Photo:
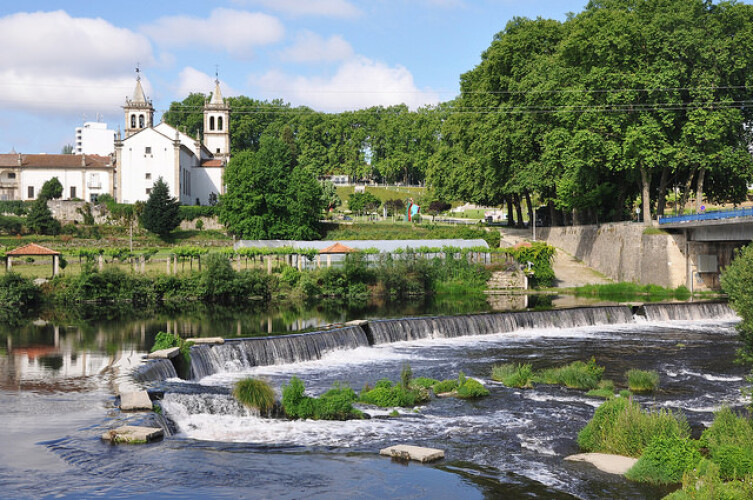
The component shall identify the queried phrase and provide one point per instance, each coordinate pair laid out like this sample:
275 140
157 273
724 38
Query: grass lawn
384 193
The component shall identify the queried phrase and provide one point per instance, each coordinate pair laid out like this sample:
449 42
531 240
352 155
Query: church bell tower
139 112
217 124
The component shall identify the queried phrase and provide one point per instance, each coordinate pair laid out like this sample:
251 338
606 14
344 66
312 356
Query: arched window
141 121
211 123
133 121
219 123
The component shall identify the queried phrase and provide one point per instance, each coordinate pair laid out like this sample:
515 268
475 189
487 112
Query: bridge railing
713 215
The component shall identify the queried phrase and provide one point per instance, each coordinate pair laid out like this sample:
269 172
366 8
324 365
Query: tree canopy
269 196
52 189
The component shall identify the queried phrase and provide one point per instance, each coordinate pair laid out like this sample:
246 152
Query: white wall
95 138
84 180
140 170
206 180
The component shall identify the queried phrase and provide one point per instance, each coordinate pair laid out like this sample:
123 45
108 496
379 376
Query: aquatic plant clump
386 394
471 389
255 394
621 427
335 404
514 375
705 482
666 459
445 386
604 390
641 381
576 375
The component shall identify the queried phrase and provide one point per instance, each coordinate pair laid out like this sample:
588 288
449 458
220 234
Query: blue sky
66 62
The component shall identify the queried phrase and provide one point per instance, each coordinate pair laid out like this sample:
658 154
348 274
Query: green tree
161 212
363 202
187 115
67 149
330 199
40 220
737 283
51 189
269 196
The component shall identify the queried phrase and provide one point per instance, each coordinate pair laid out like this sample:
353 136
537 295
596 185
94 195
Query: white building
94 138
83 177
192 169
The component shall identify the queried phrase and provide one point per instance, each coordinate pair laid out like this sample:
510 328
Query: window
219 123
148 176
148 190
11 175
93 197
218 150
133 121
141 121
211 123
148 150
30 192
73 192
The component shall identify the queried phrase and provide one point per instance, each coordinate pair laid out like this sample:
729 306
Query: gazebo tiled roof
32 249
337 248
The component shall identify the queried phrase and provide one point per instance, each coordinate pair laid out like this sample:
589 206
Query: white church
192 169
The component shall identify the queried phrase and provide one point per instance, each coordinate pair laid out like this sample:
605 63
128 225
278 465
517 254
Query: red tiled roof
211 163
52 161
32 249
337 248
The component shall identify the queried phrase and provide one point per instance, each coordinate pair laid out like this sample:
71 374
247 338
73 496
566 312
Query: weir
240 354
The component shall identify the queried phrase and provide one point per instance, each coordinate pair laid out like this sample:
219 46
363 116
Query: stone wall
67 211
209 223
623 252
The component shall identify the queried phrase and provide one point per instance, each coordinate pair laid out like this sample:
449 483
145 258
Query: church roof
217 94
138 94
212 163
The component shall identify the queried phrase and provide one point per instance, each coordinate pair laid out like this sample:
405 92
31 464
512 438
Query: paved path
570 272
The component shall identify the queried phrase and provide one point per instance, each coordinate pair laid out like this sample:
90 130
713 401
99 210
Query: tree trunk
510 217
699 189
686 191
553 219
518 209
619 207
645 196
663 181
531 215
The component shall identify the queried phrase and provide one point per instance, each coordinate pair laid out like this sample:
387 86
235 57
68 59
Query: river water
57 398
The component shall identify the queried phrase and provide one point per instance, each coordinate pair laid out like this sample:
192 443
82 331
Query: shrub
406 376
576 375
424 382
255 394
730 444
665 460
445 386
164 340
335 404
472 388
705 483
604 390
514 375
642 380
621 427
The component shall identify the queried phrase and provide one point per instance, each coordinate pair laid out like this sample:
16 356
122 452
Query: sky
66 62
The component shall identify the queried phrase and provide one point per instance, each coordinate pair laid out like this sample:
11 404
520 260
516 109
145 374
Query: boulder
417 453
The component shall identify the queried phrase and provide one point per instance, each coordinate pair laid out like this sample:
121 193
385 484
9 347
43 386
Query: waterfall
388 331
242 354
235 355
692 311
154 370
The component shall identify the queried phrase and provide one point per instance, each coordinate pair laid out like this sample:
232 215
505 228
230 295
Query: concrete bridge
691 250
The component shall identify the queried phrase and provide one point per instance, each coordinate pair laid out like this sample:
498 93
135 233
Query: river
57 398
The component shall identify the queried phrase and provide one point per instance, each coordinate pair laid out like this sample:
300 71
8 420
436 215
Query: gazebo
33 250
337 248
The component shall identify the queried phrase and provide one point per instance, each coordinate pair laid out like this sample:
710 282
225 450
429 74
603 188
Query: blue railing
722 214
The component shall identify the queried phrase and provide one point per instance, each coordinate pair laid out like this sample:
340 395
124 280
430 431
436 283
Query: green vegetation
17 294
576 375
445 386
640 381
270 196
469 388
363 202
161 212
625 291
540 255
386 394
514 375
193 212
665 460
335 404
737 283
164 340
729 441
621 427
255 394
705 483
605 390
406 231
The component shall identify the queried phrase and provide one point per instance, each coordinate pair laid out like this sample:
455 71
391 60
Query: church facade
191 168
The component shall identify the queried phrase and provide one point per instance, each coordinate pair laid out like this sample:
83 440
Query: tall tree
161 211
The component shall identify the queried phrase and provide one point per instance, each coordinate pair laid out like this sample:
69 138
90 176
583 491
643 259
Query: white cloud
52 62
192 80
358 83
310 47
324 8
234 31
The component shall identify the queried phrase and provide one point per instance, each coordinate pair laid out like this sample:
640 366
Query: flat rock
612 464
135 401
207 340
408 452
164 353
133 435
357 322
